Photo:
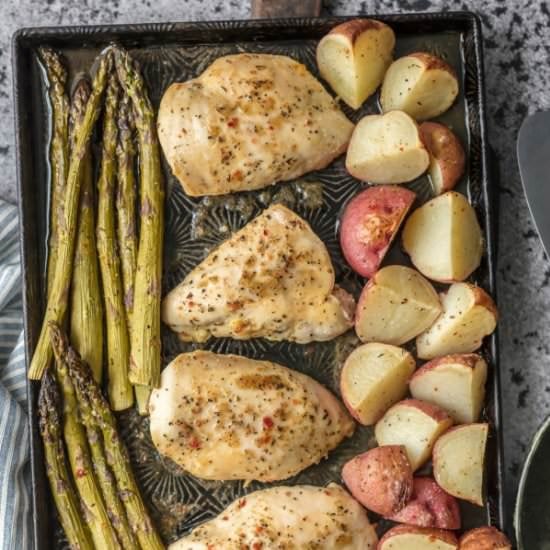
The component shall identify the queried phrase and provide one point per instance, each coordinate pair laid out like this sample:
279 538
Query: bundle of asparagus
127 512
88 467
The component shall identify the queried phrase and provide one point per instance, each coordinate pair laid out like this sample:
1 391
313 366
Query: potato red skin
437 534
430 506
370 223
380 479
484 538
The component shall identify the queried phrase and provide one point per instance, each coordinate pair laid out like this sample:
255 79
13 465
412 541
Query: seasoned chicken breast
249 121
272 279
287 518
229 417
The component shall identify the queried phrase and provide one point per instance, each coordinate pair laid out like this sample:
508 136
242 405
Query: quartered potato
353 58
396 305
387 149
443 238
421 84
409 537
459 459
447 158
469 314
484 538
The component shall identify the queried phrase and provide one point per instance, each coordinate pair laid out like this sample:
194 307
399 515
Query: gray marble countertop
517 49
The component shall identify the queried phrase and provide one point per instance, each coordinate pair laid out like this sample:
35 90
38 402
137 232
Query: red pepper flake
268 423
194 443
266 232
257 546
259 529
80 472
242 503
233 122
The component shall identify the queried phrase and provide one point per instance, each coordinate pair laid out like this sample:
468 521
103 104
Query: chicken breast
272 279
249 121
228 417
287 518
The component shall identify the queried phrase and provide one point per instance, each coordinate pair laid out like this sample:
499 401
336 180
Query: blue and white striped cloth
15 524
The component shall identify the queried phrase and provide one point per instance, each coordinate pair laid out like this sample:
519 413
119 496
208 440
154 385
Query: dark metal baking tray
177 51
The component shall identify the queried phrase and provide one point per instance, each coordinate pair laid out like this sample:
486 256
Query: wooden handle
285 8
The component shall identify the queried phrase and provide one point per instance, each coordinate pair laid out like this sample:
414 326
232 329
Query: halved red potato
414 424
374 377
396 305
421 84
380 479
387 149
484 538
369 225
458 461
447 158
353 58
443 238
409 537
430 506
469 314
456 383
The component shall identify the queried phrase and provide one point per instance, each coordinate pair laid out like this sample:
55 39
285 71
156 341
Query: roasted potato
408 537
380 479
415 425
421 84
484 538
456 383
374 377
387 149
369 224
396 305
353 58
458 461
430 506
443 238
469 314
447 157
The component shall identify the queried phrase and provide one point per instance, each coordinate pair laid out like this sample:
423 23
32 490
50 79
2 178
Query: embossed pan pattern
179 51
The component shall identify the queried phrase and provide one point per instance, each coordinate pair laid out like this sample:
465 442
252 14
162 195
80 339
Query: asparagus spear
86 302
126 228
121 394
59 149
86 483
64 494
92 401
59 292
145 335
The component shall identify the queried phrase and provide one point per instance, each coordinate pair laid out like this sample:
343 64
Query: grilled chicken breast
225 417
249 121
272 279
287 518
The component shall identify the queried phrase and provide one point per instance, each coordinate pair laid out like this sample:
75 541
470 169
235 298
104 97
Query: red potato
447 158
456 383
374 377
408 537
380 479
459 461
484 538
369 224
430 506
414 424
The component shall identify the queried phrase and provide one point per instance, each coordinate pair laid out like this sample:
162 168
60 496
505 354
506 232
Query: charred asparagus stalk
97 409
59 291
59 150
121 394
102 531
86 301
64 494
145 335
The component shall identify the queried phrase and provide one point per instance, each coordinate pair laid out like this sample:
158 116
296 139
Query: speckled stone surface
517 50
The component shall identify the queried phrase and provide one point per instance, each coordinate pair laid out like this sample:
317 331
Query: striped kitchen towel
15 517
